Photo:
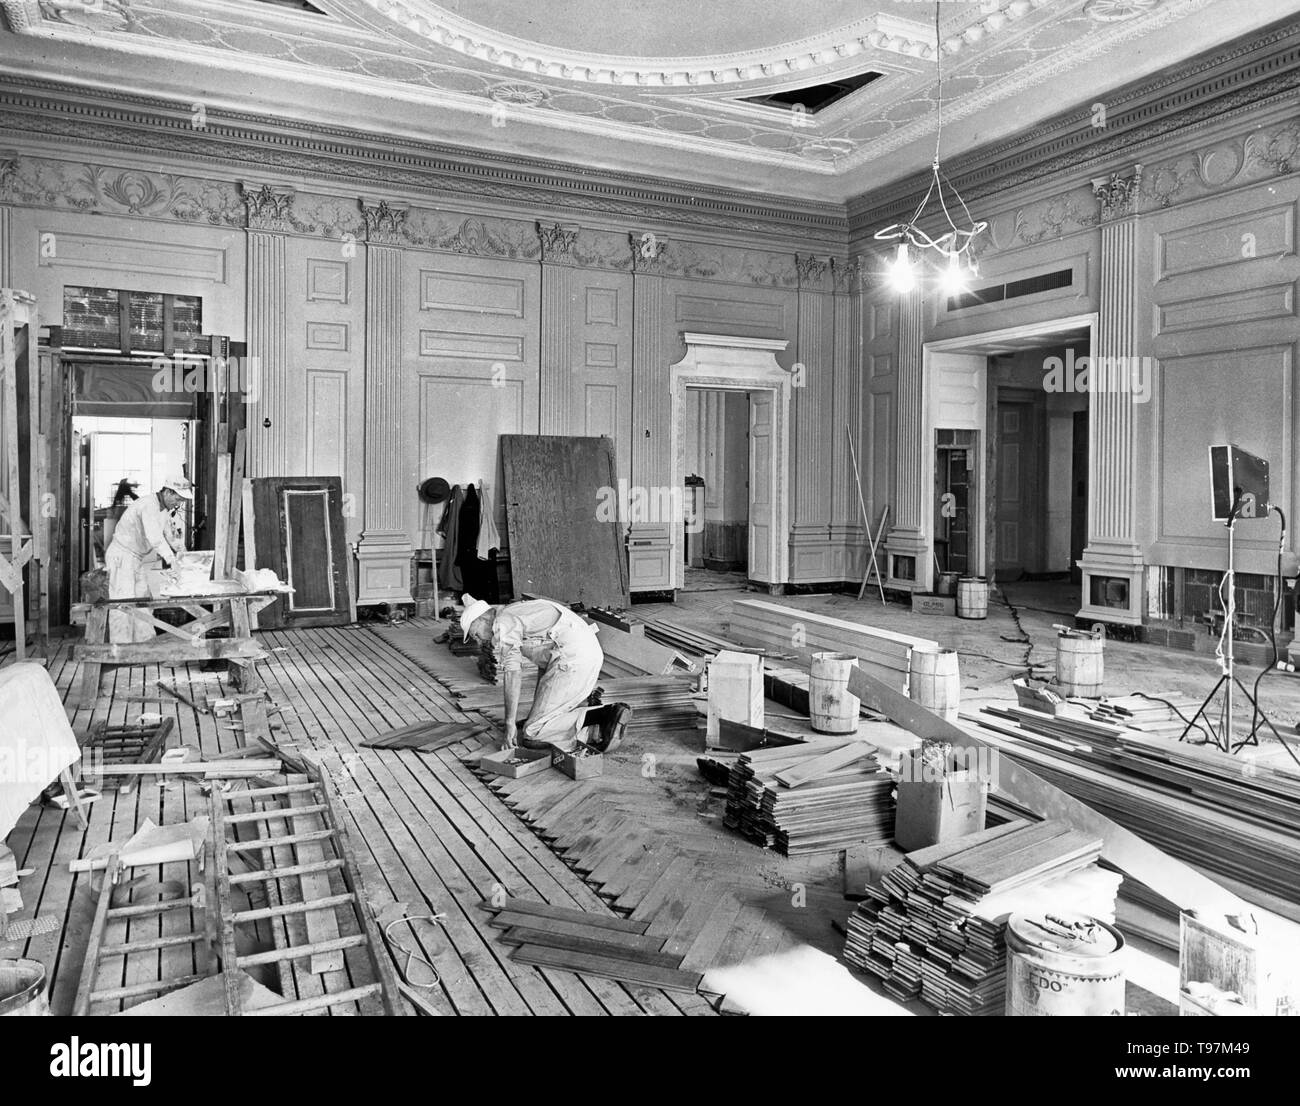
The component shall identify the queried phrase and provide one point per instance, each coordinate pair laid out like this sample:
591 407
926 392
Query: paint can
972 597
935 683
22 989
1063 965
831 709
1079 665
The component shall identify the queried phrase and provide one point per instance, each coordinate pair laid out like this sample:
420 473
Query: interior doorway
1007 419
119 459
715 443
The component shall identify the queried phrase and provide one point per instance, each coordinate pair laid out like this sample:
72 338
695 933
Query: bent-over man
140 540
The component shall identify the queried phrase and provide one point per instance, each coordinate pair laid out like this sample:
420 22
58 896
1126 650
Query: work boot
611 720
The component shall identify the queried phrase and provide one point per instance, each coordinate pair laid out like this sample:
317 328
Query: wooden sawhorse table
177 644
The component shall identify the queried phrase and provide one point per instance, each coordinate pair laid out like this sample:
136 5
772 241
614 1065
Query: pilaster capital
849 276
558 240
268 206
385 221
813 272
1118 194
649 251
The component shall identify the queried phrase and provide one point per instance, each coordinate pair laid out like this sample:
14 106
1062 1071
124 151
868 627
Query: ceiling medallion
1117 11
519 95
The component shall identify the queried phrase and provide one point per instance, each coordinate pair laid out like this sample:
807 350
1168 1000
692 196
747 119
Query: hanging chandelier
952 243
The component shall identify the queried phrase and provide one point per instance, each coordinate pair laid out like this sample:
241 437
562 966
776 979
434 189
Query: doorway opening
1007 419
753 392
119 459
715 448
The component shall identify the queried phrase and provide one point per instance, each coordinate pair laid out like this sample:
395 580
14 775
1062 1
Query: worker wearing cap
140 540
568 658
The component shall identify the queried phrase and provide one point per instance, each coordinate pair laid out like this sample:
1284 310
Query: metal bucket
1063 965
831 708
22 989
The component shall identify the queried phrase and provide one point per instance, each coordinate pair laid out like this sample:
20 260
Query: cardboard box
931 810
579 765
934 604
516 763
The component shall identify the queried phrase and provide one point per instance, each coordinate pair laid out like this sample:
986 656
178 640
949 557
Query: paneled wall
396 339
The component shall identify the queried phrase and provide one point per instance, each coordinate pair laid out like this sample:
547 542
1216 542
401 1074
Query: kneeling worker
139 537
568 658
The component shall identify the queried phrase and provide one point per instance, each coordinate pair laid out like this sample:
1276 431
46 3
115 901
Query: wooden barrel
934 682
22 989
831 708
972 597
1079 665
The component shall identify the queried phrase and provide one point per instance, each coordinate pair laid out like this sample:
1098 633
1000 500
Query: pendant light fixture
952 244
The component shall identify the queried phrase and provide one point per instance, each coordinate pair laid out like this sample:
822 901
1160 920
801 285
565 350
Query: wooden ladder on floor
300 847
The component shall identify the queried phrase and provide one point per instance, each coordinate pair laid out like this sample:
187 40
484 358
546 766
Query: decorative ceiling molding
1256 72
94 120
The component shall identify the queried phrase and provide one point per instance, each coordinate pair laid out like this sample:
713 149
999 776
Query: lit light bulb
900 273
952 282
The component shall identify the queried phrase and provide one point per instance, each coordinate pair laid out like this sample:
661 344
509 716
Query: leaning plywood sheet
562 517
1180 884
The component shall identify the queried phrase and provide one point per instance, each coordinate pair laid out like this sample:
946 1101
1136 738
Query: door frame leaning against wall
978 343
737 364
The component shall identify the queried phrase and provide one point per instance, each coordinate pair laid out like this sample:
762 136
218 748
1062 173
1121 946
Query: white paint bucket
1063 965
831 709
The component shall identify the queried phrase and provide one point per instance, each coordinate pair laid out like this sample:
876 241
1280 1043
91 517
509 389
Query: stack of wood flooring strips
688 639
1236 817
1159 719
589 944
934 927
657 702
882 653
815 797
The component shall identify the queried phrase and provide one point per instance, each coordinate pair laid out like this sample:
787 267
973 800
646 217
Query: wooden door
1021 530
762 504
1079 495
298 532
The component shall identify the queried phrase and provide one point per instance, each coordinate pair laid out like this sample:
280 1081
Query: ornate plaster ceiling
655 88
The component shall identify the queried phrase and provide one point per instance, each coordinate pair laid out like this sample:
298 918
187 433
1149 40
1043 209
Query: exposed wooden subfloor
426 831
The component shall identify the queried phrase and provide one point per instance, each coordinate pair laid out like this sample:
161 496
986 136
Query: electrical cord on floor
1165 702
413 958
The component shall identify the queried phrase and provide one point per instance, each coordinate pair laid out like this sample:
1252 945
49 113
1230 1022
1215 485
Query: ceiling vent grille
1012 290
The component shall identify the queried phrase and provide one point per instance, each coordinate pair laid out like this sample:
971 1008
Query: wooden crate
1264 969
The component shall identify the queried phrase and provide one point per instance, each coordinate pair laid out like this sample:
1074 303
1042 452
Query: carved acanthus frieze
557 241
106 190
1118 194
649 251
385 221
270 207
503 238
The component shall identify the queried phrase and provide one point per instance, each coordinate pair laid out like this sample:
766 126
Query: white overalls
566 652
139 541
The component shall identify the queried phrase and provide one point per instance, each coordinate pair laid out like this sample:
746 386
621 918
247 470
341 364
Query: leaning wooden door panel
563 514
298 531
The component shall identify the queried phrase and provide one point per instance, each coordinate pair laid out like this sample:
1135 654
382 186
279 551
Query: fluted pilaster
267 439
384 552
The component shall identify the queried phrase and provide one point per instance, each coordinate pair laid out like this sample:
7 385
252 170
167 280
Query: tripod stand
1221 736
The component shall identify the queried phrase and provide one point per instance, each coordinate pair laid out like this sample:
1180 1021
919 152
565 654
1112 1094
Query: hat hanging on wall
434 490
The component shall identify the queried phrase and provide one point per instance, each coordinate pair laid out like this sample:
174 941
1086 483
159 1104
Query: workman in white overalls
568 658
141 541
